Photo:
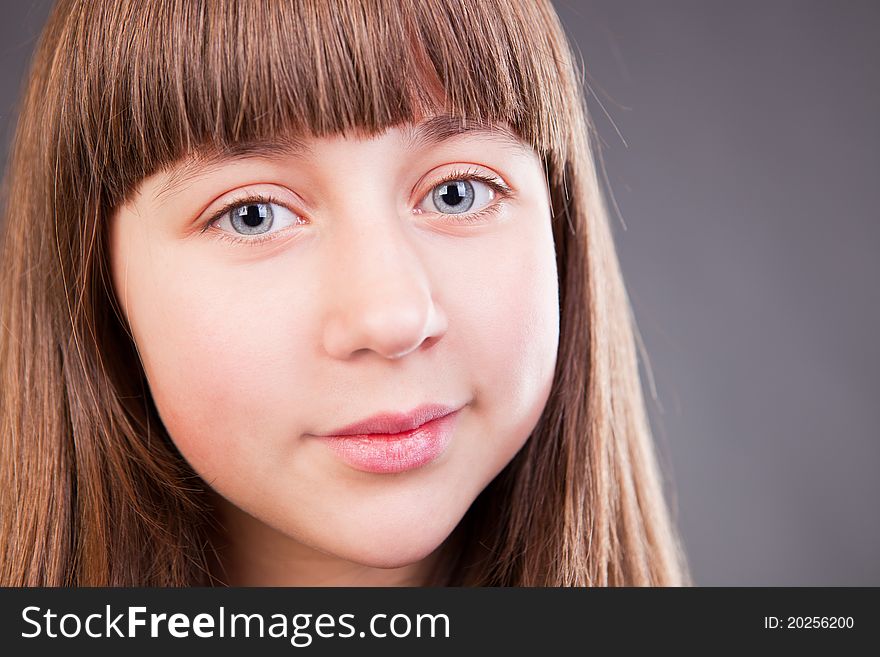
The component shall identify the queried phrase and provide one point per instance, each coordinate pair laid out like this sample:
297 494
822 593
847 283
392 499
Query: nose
380 297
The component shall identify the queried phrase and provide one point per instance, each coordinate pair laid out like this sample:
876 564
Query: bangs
182 77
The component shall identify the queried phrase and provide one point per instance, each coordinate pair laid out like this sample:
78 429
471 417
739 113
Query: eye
252 219
455 197
463 193
248 219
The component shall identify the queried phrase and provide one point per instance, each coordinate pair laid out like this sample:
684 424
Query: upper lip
391 423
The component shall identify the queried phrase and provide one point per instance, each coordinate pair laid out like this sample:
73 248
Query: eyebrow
444 127
431 132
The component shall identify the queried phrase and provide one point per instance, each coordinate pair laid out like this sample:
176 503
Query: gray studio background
742 147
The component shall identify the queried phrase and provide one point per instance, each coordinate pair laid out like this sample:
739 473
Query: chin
382 548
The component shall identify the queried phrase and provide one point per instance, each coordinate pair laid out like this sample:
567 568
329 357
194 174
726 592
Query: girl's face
343 279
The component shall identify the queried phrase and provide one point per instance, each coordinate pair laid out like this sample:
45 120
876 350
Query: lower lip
388 453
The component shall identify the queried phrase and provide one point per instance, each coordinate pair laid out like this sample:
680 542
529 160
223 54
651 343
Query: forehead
430 132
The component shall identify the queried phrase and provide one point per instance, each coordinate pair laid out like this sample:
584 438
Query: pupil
453 193
252 217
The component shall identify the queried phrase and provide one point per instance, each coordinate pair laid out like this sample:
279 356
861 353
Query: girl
316 293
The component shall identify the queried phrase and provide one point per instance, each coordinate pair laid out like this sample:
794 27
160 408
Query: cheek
505 329
521 339
225 362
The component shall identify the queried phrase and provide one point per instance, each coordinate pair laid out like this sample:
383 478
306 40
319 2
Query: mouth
394 423
391 443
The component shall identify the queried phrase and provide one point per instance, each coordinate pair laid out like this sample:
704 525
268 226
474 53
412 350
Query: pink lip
391 423
392 443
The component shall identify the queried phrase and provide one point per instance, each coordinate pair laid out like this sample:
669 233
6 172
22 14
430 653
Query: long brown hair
92 489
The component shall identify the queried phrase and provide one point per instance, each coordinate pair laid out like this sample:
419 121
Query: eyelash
237 203
501 192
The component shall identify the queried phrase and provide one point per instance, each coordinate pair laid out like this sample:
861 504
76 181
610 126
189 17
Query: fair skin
367 297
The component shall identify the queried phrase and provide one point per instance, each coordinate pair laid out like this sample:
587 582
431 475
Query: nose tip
392 330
